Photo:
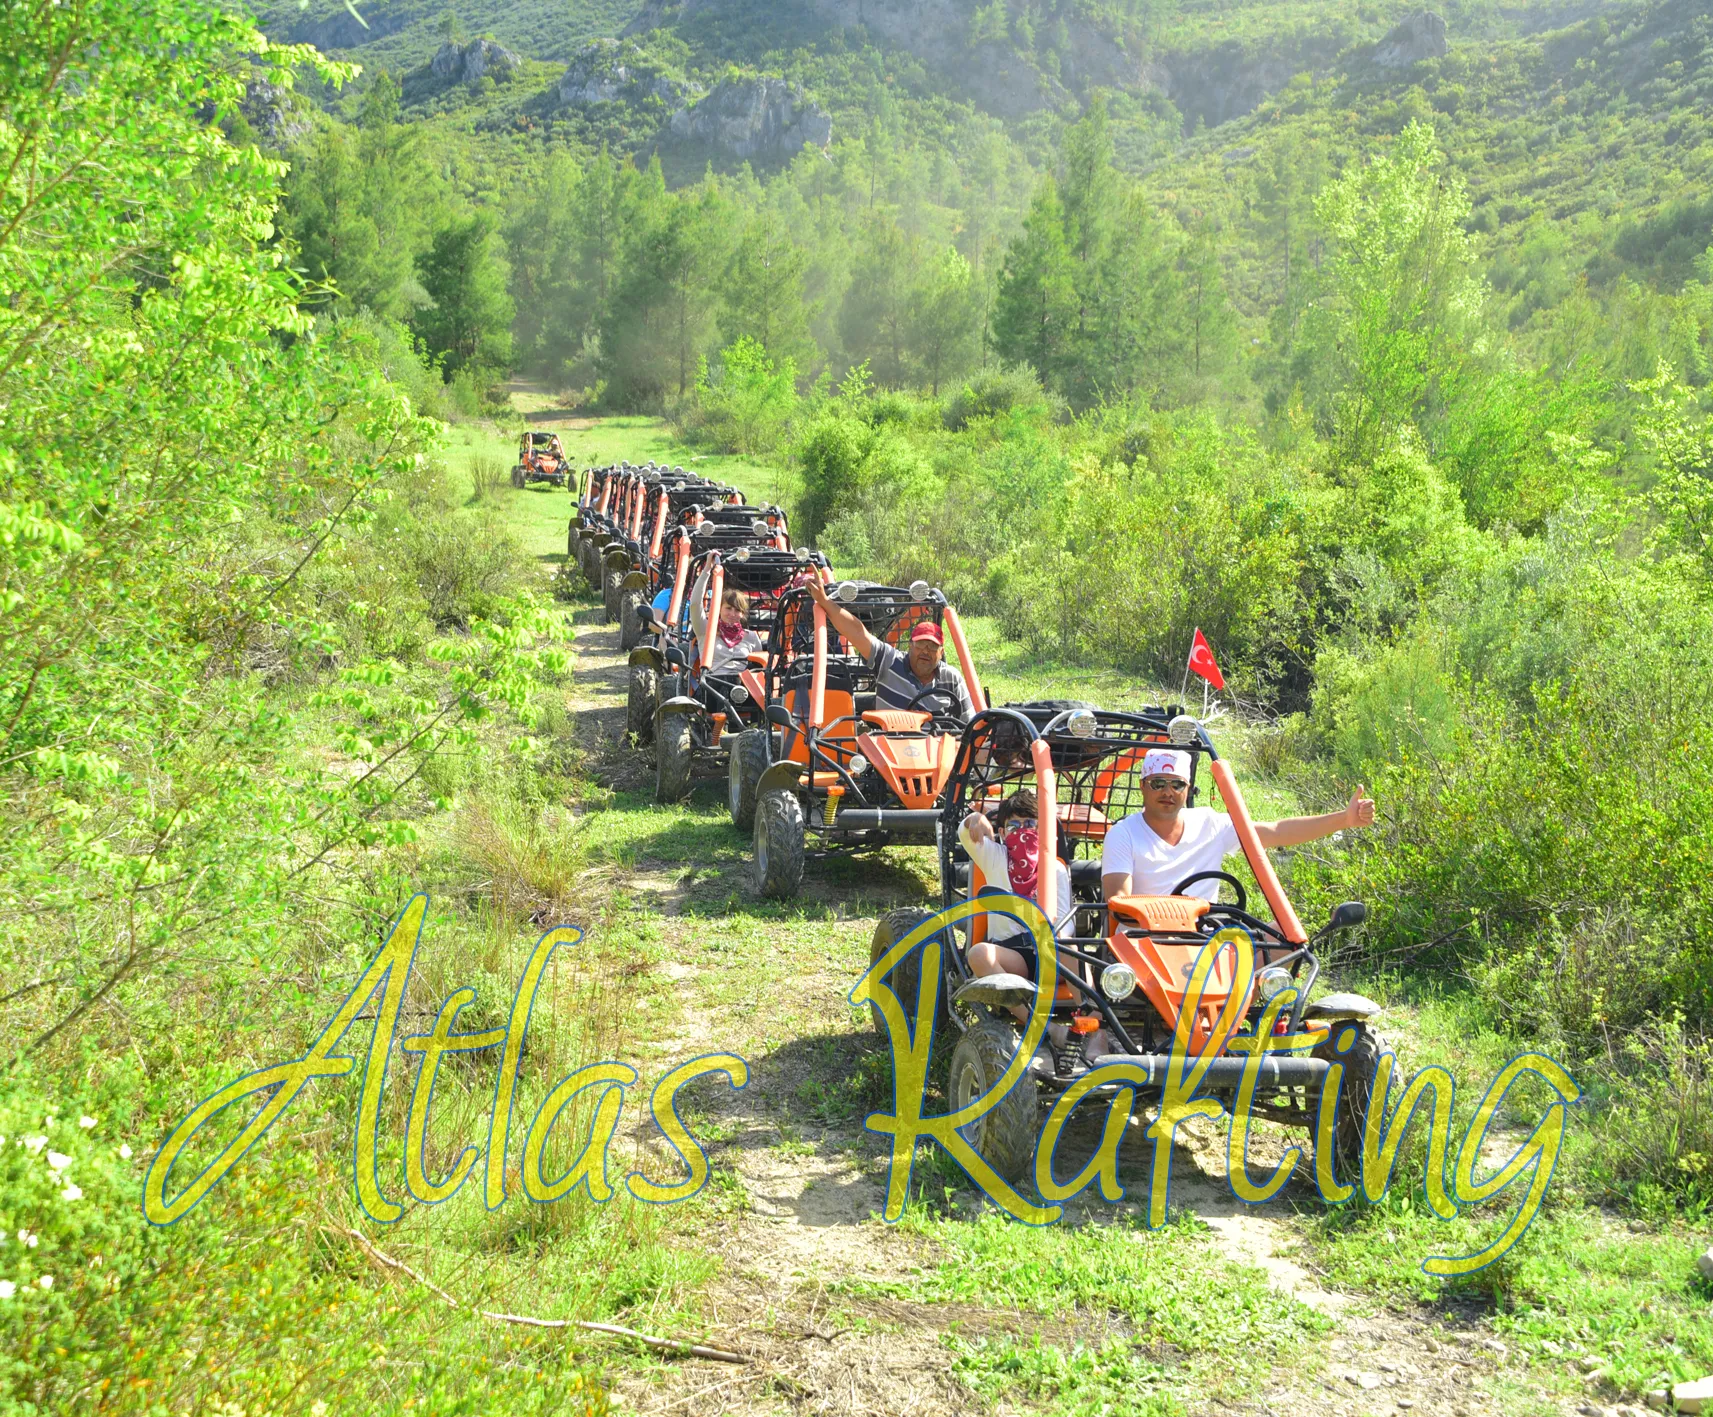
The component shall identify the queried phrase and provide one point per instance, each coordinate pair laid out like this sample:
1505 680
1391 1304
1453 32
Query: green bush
999 391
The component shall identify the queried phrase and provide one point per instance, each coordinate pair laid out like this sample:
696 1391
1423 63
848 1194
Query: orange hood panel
915 765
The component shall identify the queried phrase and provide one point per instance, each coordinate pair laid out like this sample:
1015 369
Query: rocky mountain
755 120
615 71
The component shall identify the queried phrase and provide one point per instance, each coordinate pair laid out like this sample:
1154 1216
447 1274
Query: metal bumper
915 825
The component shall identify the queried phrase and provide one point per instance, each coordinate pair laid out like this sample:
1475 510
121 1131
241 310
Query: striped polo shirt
896 684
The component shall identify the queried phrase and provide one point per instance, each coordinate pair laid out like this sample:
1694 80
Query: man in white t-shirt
1153 851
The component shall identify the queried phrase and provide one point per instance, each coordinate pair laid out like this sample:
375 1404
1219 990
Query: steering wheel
946 696
1226 876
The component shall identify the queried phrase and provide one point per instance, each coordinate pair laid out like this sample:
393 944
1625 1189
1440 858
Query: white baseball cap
1166 762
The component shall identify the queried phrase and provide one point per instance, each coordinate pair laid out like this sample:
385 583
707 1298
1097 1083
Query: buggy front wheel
630 619
1356 1094
611 583
644 698
673 757
778 844
905 977
744 767
1005 1135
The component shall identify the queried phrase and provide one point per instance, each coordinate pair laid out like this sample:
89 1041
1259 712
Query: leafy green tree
1036 307
1399 294
464 273
751 400
943 320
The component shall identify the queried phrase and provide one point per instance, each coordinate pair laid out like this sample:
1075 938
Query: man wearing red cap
899 678
1159 848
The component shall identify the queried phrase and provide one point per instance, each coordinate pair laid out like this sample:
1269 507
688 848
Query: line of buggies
815 766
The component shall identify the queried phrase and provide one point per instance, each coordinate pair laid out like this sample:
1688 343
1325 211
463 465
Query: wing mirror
675 658
778 716
1347 917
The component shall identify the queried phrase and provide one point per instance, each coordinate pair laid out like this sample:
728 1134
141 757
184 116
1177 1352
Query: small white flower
7 1289
72 1192
124 1151
46 1281
318 1408
27 1239
51 1122
86 1122
34 1144
58 1161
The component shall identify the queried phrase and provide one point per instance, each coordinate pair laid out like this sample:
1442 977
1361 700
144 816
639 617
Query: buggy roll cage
800 631
1086 771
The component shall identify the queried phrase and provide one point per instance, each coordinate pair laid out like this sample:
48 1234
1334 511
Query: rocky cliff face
611 71
1419 37
765 120
468 64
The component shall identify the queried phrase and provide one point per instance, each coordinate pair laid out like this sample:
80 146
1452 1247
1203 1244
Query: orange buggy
831 764
540 458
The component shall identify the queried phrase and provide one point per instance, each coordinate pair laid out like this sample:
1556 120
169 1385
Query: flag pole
1184 688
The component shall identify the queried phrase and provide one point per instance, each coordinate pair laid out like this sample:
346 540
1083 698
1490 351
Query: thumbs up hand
1360 812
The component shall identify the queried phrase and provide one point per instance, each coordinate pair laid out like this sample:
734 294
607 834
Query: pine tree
1036 306
762 289
464 273
872 318
942 320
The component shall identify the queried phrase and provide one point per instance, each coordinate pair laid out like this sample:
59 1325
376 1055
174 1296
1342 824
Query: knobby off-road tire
1006 1135
1356 1095
778 844
517 478
744 767
643 700
611 584
674 755
630 619
905 977
586 559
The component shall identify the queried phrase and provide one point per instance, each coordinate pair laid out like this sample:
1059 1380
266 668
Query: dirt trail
811 1189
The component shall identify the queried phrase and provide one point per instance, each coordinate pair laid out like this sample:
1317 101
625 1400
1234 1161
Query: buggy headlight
802 553
1271 980
1118 981
846 591
759 527
858 763
919 590
1081 724
739 695
741 554
1183 729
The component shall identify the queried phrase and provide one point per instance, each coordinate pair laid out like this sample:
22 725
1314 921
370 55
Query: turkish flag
1203 662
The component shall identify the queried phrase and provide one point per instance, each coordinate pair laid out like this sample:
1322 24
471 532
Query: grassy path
954 1309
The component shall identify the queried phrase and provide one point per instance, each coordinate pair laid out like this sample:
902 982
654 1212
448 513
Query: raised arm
698 613
1294 831
843 621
